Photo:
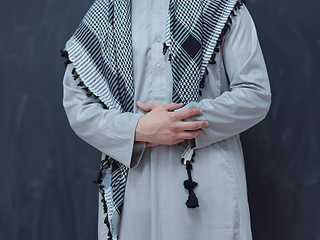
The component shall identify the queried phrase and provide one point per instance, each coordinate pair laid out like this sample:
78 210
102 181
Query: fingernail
207 123
201 111
138 103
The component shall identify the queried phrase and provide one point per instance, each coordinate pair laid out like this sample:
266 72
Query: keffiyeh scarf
101 51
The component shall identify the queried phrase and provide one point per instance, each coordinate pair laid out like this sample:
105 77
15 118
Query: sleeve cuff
137 153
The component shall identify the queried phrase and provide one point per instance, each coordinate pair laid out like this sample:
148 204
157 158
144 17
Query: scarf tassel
81 83
190 185
201 85
65 54
224 31
165 49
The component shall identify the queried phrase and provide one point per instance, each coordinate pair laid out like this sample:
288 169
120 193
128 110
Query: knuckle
190 136
195 134
156 104
171 117
193 112
194 126
174 128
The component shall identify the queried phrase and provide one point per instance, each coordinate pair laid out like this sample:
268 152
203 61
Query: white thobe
236 96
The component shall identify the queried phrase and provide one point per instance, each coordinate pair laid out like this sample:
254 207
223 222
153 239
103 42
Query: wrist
139 135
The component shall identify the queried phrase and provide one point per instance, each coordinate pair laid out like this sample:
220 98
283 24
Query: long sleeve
109 131
248 98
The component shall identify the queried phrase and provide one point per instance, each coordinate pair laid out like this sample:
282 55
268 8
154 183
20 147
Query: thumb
147 107
173 106
151 144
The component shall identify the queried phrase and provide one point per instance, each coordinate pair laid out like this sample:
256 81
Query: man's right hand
162 125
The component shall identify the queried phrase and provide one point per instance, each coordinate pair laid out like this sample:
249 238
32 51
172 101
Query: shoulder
243 18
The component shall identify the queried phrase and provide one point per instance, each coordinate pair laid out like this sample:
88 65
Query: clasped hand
162 125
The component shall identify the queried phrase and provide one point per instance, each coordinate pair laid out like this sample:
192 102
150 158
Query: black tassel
237 6
201 85
189 184
85 88
76 76
192 201
64 54
103 105
224 31
66 63
212 59
165 48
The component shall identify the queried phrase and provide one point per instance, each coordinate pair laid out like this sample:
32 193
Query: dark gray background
46 172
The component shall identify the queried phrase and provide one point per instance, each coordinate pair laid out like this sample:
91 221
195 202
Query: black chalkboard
46 171
283 165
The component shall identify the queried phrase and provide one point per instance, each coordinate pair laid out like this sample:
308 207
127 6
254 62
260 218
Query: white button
158 65
158 39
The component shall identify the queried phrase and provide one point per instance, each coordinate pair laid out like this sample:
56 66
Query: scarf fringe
81 83
104 163
223 33
189 184
225 30
66 55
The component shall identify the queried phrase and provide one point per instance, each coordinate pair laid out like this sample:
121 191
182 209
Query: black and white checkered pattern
101 50
114 198
185 33
193 29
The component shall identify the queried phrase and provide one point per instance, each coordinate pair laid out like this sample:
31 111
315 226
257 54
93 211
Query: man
161 87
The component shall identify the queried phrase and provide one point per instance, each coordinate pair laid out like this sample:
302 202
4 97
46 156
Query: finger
191 126
147 107
151 144
186 135
187 113
173 106
191 135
